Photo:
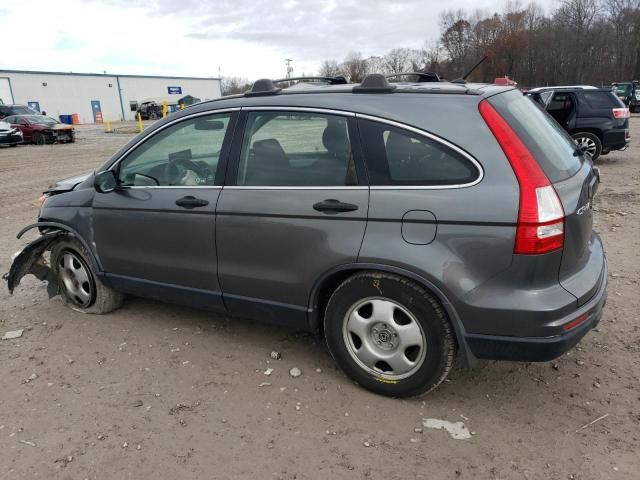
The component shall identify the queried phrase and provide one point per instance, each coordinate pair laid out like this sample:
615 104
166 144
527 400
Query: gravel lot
167 392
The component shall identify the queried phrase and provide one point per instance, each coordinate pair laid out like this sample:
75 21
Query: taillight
621 113
540 226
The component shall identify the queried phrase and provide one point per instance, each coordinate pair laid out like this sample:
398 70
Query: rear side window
397 156
602 100
296 149
548 142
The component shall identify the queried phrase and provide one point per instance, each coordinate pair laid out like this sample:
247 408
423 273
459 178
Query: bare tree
330 68
354 67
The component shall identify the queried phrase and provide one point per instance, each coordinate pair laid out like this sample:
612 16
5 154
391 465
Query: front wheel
389 334
589 143
80 287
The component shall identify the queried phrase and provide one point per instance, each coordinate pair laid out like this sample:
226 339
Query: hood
67 184
4 125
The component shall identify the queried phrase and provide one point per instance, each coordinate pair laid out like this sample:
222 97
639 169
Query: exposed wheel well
595 131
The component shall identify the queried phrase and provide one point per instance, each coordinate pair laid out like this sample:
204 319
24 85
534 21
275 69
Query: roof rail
264 86
374 83
422 76
337 80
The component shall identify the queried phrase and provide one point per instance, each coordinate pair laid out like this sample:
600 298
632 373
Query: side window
296 149
133 106
184 154
600 100
398 157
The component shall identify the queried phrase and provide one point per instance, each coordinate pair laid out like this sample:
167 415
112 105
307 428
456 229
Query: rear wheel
78 283
589 143
389 334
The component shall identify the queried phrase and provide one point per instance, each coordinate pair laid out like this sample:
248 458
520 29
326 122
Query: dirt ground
166 392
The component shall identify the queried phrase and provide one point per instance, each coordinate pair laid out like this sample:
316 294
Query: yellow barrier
164 109
140 128
108 130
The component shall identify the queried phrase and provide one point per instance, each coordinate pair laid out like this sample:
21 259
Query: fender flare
95 261
468 357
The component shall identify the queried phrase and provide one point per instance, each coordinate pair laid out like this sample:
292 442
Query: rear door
294 206
576 182
155 234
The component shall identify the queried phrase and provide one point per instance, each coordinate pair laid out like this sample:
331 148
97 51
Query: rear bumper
615 140
541 349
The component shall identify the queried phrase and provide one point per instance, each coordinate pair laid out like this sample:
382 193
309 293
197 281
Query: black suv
595 117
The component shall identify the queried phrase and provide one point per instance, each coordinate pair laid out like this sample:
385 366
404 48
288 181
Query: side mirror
105 182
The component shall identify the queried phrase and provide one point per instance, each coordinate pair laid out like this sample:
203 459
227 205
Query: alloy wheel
77 280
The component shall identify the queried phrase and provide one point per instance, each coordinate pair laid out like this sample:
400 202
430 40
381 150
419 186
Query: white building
95 96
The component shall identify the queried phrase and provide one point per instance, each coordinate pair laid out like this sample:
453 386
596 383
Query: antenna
288 61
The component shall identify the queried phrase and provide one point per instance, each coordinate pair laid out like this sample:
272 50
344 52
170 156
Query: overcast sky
248 38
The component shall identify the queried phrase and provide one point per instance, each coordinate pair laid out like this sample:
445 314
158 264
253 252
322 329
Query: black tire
591 140
13 145
40 138
102 299
153 116
437 334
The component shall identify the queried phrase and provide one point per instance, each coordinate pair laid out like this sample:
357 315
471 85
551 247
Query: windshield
40 120
549 143
23 111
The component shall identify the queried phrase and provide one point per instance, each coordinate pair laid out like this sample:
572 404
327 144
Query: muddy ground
156 391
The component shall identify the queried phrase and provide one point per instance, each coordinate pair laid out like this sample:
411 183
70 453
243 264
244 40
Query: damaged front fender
30 261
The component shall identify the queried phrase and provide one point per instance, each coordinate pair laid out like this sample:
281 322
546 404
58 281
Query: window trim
228 133
435 138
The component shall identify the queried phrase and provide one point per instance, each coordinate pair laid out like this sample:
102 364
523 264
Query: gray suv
410 223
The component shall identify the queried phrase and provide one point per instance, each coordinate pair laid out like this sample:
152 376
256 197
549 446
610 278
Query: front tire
79 286
588 142
389 334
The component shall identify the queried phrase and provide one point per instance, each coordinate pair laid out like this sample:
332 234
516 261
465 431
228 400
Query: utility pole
288 61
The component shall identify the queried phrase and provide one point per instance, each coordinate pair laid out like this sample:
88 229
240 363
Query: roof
168 77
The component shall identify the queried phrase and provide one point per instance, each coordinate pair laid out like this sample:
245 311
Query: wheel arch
330 280
596 131
46 226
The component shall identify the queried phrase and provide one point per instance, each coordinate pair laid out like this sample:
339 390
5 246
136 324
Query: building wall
66 94
140 88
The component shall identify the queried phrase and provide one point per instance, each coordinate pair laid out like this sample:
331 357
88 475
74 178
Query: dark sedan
41 130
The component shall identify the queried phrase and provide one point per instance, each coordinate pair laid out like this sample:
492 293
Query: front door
155 234
96 109
294 206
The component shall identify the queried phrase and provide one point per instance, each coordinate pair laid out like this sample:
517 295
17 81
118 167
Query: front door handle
332 205
191 202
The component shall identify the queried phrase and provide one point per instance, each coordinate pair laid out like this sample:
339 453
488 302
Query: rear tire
79 286
590 142
389 334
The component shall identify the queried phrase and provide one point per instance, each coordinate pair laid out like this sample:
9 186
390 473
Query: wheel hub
384 336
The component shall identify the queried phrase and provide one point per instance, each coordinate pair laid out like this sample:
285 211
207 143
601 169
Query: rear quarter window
602 100
397 156
548 142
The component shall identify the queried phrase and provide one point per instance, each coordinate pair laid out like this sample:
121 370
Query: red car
41 130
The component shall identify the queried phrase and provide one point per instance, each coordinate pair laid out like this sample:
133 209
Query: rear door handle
332 205
191 202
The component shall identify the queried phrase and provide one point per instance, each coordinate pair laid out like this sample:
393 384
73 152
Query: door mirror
105 182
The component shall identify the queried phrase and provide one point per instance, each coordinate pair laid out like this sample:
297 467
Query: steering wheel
175 168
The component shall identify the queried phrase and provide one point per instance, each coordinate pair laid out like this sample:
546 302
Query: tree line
579 42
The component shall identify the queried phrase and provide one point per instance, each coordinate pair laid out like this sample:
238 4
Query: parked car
595 117
9 135
41 130
8 110
151 108
629 93
409 223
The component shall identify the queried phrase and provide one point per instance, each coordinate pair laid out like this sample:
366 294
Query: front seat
268 164
337 169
